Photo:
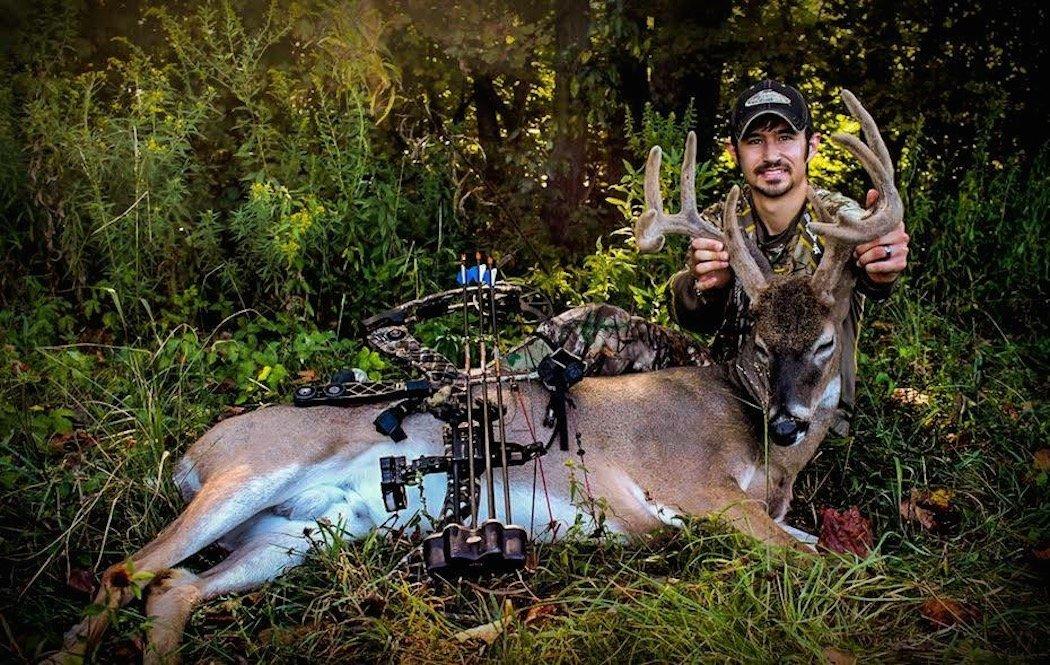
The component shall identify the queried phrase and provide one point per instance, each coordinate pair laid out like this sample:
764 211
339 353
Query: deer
660 445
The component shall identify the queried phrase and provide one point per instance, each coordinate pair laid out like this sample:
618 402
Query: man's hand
885 258
708 262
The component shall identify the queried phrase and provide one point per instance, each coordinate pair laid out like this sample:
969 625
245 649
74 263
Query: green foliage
200 210
205 168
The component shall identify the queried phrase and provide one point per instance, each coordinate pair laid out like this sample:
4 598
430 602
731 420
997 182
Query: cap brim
793 122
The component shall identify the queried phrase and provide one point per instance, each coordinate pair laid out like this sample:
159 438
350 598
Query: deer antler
654 224
848 228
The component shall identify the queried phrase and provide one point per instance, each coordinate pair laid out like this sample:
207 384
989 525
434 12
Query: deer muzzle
787 431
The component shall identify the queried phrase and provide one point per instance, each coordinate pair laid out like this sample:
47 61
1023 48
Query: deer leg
221 505
172 601
749 516
270 545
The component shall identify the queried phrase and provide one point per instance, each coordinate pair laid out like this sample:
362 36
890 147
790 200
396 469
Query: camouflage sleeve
834 202
699 312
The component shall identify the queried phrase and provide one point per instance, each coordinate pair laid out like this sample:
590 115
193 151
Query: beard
775 187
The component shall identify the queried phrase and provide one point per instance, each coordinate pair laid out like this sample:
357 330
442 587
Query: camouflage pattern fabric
609 341
407 351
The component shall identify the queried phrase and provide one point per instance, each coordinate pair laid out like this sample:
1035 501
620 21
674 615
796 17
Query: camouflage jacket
797 249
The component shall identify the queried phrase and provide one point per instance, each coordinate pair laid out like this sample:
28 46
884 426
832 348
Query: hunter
772 140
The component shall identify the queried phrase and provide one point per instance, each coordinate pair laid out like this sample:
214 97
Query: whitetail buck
658 444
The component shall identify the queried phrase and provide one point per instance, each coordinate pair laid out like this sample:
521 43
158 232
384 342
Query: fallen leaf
308 375
931 509
837 657
1041 460
945 612
846 531
910 397
81 580
541 614
75 440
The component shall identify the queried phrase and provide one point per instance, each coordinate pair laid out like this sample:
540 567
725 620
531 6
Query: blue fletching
472 276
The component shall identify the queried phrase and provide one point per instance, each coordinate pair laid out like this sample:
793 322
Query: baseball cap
769 96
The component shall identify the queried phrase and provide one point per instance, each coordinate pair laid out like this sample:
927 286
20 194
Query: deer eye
824 348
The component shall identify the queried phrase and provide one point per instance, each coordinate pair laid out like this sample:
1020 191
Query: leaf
943 612
846 531
931 509
540 614
910 397
264 372
308 375
81 580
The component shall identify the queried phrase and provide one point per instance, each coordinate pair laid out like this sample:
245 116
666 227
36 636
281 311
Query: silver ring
889 250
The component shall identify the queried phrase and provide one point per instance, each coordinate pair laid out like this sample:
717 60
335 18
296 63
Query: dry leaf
1041 461
308 375
846 531
910 397
932 509
838 657
541 614
81 580
946 612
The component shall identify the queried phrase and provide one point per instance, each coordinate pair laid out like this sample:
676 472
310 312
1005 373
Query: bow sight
475 441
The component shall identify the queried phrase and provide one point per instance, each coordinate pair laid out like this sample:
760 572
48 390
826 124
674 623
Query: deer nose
785 431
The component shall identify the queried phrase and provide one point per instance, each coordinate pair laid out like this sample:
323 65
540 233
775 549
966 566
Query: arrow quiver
475 443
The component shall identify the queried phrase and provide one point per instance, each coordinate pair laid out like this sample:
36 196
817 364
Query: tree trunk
567 168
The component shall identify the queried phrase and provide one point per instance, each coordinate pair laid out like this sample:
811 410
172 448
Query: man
772 141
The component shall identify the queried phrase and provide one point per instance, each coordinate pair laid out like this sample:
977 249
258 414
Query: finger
708 255
896 264
709 266
877 253
871 199
712 280
706 243
895 237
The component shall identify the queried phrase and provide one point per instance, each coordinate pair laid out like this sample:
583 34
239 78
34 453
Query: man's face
773 156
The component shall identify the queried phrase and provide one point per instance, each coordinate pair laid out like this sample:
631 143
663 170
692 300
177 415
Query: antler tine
853 226
751 274
689 175
870 129
836 253
654 224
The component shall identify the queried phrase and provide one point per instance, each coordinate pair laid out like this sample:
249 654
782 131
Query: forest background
202 200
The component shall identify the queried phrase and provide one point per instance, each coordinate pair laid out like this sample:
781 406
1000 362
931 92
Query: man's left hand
884 258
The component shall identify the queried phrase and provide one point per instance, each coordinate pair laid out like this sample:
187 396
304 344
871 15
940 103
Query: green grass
698 594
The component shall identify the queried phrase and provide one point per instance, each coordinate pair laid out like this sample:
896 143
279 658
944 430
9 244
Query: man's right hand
708 262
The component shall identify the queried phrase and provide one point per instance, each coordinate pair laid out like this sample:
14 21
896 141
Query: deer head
789 360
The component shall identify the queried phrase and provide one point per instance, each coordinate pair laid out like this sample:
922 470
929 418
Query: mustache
765 166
